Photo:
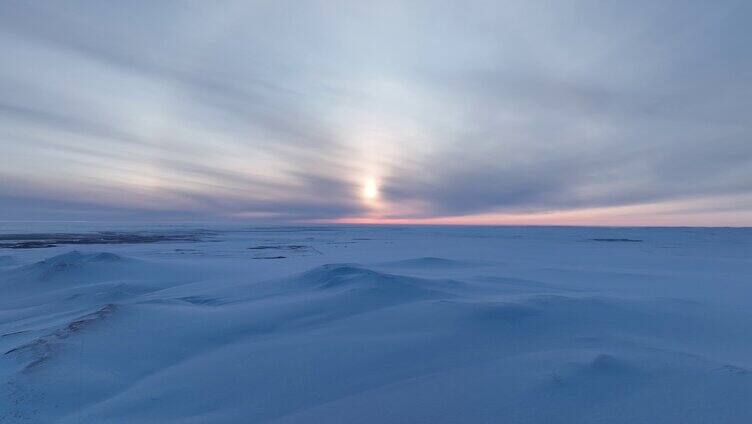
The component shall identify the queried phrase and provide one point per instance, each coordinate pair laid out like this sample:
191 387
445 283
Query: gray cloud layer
280 110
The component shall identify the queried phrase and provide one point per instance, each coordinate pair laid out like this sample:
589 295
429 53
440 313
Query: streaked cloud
455 111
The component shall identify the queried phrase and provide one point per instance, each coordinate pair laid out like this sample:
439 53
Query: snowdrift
124 337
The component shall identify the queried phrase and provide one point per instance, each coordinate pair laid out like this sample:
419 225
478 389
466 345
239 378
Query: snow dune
384 332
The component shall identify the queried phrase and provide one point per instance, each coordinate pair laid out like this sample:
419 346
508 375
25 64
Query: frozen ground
379 325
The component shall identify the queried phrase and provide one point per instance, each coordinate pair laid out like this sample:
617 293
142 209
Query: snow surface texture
383 325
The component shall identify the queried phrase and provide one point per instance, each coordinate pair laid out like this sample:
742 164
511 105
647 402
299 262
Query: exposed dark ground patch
45 240
281 247
625 240
289 249
41 349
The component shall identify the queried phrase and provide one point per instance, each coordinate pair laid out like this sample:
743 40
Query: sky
465 112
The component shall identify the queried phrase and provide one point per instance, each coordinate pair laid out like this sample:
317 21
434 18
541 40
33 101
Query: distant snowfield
382 325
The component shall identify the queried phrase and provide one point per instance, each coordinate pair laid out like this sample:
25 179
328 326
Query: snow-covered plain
382 325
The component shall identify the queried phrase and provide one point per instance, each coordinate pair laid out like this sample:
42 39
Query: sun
370 189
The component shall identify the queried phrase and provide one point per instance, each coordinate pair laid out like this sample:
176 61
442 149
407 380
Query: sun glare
370 189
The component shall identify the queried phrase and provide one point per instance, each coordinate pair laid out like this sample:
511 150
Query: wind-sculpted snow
432 263
354 277
38 350
68 265
7 260
371 334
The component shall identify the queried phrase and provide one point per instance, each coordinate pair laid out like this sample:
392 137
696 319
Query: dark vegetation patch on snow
45 240
41 349
267 251
617 240
203 300
281 247
734 369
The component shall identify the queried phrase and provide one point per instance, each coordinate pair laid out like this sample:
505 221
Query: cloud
263 110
